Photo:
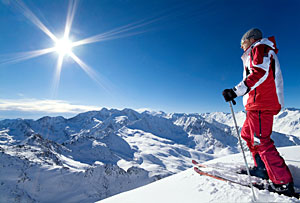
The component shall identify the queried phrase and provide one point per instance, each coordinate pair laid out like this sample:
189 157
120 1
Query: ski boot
258 171
285 189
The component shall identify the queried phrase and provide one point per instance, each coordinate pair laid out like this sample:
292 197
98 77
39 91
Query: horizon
140 111
170 56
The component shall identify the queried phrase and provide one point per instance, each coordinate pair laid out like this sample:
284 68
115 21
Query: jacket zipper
254 95
259 117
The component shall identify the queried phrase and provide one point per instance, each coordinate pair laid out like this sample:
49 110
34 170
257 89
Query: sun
63 47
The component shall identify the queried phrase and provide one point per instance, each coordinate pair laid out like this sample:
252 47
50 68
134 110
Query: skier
262 91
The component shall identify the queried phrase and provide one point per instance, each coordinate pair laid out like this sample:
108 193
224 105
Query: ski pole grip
233 102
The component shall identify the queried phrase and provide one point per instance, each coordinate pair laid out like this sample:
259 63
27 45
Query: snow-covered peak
288 122
54 120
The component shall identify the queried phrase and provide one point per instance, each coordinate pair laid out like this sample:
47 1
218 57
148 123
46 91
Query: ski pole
240 141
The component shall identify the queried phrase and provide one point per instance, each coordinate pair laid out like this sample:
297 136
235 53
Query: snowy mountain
98 154
286 121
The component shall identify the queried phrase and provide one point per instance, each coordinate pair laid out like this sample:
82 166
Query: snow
156 154
188 186
286 121
97 154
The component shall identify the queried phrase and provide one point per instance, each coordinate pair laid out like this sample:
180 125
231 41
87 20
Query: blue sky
178 56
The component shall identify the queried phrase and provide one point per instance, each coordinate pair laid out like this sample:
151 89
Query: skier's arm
259 68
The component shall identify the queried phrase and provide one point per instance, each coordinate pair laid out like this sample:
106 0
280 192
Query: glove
229 95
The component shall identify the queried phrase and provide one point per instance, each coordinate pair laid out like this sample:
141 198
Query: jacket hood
270 41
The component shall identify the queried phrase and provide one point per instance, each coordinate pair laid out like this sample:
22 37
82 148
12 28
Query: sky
162 55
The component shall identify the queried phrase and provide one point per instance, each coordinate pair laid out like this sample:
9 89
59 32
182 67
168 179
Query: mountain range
97 154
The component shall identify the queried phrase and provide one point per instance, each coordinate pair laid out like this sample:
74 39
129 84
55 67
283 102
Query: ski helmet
254 33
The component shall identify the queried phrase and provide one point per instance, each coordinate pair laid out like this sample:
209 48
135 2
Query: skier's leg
247 136
248 133
258 162
262 128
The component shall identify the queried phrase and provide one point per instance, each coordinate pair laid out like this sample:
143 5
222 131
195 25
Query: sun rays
64 46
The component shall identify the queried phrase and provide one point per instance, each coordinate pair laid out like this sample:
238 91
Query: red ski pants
257 131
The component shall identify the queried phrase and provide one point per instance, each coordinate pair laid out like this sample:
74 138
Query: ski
260 186
199 171
205 166
200 165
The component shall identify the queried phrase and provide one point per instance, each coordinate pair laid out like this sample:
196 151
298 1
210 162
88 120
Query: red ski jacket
262 84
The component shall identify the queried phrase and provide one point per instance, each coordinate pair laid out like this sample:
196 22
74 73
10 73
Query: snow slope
190 187
36 173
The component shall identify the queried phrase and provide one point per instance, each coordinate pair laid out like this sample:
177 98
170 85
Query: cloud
20 94
45 106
